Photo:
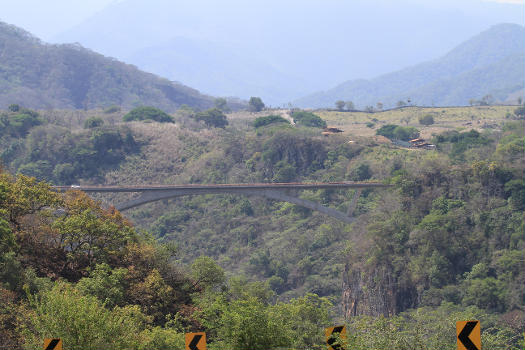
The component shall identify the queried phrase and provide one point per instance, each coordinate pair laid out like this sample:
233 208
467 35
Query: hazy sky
48 18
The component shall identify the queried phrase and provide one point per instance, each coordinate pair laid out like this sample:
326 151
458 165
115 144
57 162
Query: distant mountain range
282 50
39 75
218 70
492 62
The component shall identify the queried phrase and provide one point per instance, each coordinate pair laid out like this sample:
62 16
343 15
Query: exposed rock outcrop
376 292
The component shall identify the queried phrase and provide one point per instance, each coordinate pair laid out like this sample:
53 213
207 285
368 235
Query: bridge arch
277 191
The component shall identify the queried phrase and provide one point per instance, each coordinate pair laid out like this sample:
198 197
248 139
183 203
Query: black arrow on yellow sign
469 335
194 342
52 344
332 336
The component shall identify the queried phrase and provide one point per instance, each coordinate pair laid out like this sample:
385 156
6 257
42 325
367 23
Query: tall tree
340 104
222 104
256 104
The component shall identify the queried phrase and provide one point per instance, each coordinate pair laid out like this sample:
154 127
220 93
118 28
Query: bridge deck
259 186
276 191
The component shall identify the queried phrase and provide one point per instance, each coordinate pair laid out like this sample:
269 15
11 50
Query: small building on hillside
331 130
421 143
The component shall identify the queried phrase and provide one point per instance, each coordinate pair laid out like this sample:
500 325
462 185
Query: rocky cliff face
375 292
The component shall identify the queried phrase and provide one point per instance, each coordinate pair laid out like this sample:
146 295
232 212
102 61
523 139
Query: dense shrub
57 155
461 141
361 172
387 130
148 113
515 190
286 154
18 122
93 122
284 172
222 104
13 107
308 119
426 120
269 119
520 111
212 117
41 169
256 104
405 133
396 132
112 109
81 321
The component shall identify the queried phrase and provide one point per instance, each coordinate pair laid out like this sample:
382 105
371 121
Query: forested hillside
490 63
40 75
444 243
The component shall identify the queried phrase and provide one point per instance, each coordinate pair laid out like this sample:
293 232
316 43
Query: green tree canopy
361 172
93 122
248 324
82 322
256 104
107 284
212 117
396 132
427 119
206 273
59 155
308 119
13 107
269 119
147 113
19 121
520 111
340 105
222 104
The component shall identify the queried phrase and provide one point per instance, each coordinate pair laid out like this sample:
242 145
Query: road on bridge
197 187
276 191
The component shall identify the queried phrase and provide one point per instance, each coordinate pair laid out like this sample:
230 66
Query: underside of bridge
275 191
280 195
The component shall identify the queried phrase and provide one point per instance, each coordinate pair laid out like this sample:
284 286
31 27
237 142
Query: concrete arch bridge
276 191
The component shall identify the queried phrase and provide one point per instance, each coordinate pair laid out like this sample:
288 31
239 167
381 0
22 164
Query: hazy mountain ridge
499 49
218 70
40 75
300 46
503 78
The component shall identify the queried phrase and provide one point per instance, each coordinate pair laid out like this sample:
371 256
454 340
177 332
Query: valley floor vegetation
445 243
